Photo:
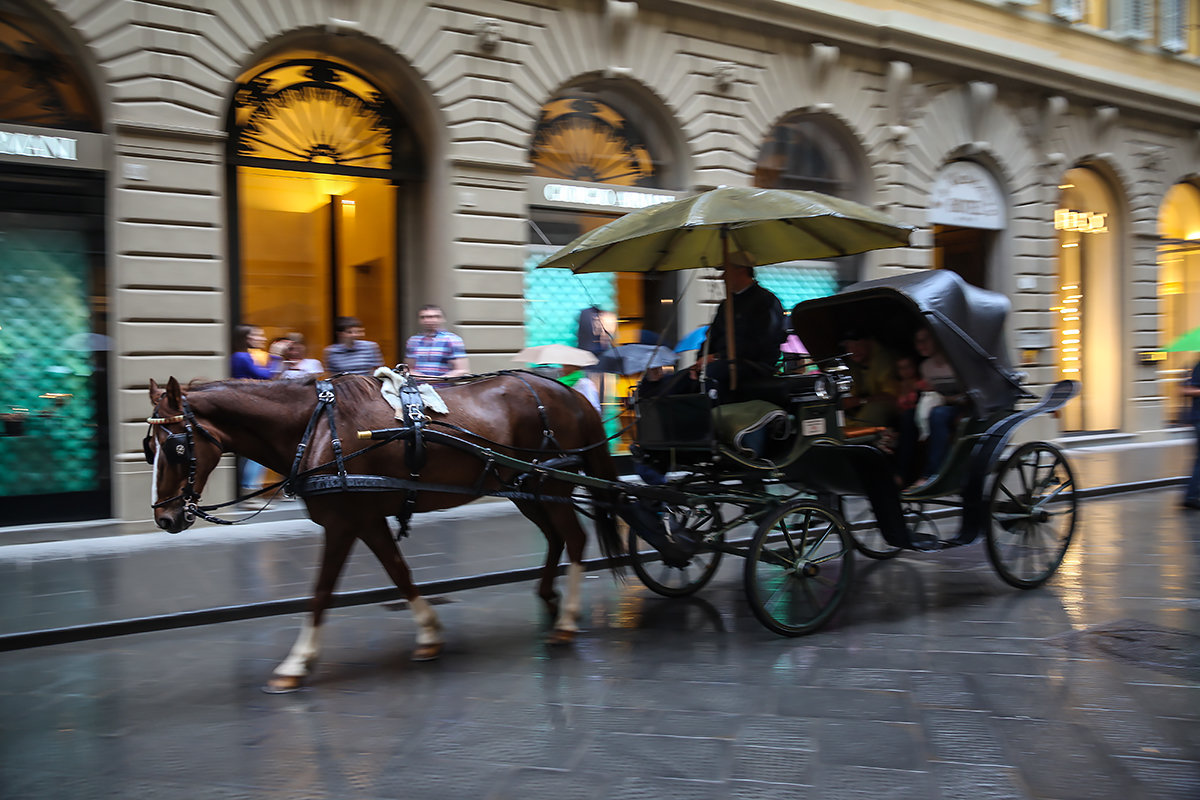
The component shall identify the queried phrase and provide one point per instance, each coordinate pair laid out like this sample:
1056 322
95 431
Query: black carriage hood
968 323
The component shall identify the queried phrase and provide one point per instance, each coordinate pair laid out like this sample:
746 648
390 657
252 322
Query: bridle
180 448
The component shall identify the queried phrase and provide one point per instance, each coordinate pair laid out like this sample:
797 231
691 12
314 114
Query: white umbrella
562 354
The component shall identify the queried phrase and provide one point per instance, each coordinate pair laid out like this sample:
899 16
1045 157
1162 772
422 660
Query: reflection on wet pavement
936 680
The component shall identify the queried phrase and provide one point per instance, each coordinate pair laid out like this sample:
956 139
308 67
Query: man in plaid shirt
436 352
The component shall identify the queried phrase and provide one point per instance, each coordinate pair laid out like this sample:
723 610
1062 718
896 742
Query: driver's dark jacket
758 324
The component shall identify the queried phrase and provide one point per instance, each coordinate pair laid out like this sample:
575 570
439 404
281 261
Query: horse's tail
598 463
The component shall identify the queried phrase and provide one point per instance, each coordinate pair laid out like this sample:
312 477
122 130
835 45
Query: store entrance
314 247
964 251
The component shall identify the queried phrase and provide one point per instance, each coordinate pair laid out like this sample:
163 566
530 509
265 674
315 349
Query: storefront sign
51 147
26 144
1066 219
965 195
593 196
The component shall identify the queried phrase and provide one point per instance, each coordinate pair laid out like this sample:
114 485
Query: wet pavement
936 680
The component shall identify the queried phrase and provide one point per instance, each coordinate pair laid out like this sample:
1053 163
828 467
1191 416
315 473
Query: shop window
1090 294
317 152
594 139
1179 285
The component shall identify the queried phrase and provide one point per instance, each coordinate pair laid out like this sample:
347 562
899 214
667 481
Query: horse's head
183 452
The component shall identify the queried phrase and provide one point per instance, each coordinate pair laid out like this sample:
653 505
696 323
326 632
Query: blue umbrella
693 341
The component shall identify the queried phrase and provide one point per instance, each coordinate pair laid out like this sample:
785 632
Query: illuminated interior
1179 284
314 247
319 152
1089 302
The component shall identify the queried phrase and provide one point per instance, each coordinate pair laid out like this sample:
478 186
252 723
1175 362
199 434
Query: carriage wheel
1033 508
671 581
868 539
799 567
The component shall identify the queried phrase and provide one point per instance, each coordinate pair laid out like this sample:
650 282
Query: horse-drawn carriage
782 462
794 482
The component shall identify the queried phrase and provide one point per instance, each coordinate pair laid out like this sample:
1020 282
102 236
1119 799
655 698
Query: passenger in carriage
873 400
942 404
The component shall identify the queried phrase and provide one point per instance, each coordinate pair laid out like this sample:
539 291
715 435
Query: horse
519 414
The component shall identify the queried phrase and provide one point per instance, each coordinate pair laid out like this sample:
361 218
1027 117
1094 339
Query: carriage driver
759 328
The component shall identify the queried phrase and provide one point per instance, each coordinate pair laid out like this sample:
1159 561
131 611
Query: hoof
561 636
284 684
427 652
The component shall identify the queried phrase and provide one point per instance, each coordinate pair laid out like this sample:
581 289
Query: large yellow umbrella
756 226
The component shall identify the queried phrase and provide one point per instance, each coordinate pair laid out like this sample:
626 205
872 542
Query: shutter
1172 25
1130 19
1069 10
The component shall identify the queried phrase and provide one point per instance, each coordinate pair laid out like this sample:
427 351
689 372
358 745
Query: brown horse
266 421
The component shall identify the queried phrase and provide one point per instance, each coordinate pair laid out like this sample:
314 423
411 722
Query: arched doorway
811 152
55 462
1089 308
1179 283
598 151
321 163
966 211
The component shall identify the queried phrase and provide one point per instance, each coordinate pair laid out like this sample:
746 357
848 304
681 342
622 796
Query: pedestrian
242 364
352 353
1191 496
436 352
296 363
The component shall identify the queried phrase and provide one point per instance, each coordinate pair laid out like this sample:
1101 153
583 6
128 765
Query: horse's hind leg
290 674
561 528
378 537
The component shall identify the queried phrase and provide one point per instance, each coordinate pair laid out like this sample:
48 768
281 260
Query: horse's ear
174 393
156 391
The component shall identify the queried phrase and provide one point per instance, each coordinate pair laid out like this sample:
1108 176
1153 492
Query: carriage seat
754 428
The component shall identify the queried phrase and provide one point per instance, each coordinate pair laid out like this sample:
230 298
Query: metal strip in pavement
299 605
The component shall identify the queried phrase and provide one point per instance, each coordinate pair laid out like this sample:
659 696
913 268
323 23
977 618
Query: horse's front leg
290 674
378 537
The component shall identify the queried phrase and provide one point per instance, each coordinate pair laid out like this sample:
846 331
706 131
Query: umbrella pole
730 349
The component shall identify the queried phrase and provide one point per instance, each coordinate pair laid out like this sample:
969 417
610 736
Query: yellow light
1071 350
1070 287
1070 244
1192 236
1066 186
1070 341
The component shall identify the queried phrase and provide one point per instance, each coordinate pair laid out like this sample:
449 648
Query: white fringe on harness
392 383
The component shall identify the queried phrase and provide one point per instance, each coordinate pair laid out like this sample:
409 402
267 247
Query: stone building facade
281 163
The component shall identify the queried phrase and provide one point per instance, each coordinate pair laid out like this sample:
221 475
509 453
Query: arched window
316 152
810 152
1179 280
39 84
580 138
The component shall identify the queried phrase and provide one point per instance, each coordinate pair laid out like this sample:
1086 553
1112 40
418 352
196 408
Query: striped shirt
431 355
361 357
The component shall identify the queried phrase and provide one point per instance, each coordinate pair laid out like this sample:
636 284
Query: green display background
46 345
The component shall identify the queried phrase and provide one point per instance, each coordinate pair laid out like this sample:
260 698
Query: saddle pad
393 385
748 427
